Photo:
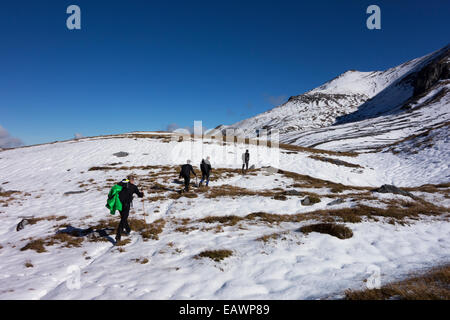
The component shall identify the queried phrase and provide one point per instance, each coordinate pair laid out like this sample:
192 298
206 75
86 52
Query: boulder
335 202
121 154
292 193
22 224
309 201
387 188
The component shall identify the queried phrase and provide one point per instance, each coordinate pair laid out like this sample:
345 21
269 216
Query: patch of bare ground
131 168
432 285
337 162
123 242
337 230
216 255
443 188
140 260
271 236
153 230
396 211
63 239
10 196
425 142
305 181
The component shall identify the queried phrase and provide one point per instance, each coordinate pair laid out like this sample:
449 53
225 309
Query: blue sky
142 65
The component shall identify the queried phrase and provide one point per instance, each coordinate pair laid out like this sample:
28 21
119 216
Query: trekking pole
143 208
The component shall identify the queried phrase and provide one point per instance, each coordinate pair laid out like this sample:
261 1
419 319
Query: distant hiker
245 160
205 166
185 172
126 198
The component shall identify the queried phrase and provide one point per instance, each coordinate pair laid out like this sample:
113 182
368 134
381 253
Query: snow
351 97
300 266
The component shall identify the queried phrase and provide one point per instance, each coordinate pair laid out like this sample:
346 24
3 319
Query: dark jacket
128 189
246 157
186 170
205 167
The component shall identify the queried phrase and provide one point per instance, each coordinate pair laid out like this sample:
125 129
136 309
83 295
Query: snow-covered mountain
357 96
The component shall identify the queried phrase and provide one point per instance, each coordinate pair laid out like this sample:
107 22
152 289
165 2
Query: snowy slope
293 266
350 97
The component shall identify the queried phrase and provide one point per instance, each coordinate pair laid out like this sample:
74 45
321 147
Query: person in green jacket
121 198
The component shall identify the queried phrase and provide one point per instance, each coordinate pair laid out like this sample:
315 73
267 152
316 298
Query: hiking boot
117 238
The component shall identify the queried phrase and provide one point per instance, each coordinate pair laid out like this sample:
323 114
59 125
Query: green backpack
113 203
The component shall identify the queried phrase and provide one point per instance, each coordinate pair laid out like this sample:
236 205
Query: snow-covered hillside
364 106
61 188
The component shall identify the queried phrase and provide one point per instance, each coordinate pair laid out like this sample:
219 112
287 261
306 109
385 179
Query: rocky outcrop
432 73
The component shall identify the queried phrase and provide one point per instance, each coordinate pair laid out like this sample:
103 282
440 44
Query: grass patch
268 237
123 242
152 232
216 255
336 230
432 285
28 264
226 220
140 260
337 162
36 245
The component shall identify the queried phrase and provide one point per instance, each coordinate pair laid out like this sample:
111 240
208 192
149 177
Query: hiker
205 166
185 172
245 160
126 198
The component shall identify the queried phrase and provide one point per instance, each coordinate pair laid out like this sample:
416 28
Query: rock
253 167
22 224
121 154
335 202
386 188
292 193
269 169
306 201
309 201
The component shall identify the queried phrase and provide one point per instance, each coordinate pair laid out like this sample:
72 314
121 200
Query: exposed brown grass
225 220
153 230
432 285
291 147
337 162
233 192
28 264
36 245
189 194
305 181
184 229
64 240
123 242
271 236
336 230
216 255
162 169
140 260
